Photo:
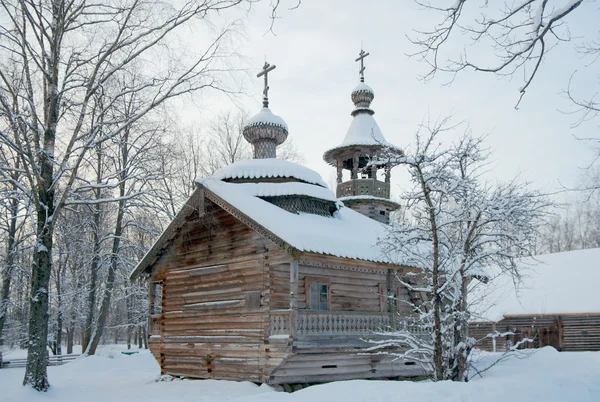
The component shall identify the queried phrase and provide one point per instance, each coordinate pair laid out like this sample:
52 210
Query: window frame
318 280
153 298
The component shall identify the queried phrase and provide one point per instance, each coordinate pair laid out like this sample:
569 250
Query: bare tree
508 38
459 227
56 57
14 215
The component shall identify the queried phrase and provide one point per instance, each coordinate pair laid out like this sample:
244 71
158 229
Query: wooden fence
52 361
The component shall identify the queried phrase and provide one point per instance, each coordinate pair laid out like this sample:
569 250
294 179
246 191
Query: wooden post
340 167
559 329
293 296
494 337
390 301
355 166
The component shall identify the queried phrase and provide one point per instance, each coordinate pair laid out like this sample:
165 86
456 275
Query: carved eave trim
316 260
251 223
346 151
194 203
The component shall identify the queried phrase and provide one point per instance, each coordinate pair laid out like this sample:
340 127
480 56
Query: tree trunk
114 256
37 353
145 336
91 302
70 336
10 262
59 318
438 362
110 281
128 304
36 374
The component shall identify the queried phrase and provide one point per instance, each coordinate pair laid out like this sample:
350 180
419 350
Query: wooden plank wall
581 332
215 300
569 332
352 288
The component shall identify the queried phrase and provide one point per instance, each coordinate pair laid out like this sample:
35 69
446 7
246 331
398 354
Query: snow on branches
460 230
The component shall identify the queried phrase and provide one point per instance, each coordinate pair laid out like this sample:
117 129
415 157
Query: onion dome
285 184
362 96
265 131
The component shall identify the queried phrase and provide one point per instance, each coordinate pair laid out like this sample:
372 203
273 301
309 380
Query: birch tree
462 229
56 56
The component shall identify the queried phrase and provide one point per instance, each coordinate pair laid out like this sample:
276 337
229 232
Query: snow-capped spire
362 95
265 71
360 153
361 57
265 131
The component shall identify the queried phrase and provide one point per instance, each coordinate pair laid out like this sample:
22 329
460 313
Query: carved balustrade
337 323
372 187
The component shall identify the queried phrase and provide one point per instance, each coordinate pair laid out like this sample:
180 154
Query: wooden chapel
265 275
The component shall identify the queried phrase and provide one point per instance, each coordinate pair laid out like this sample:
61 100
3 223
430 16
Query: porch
307 324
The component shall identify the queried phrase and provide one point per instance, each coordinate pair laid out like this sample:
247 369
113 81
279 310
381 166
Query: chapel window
156 294
318 297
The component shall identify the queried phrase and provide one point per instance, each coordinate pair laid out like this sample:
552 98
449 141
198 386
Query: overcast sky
314 49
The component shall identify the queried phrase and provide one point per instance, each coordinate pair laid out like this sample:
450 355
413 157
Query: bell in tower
364 152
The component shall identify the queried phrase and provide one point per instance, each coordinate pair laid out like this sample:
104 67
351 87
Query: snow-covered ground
546 376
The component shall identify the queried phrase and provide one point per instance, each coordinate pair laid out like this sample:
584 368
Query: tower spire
361 57
265 131
265 71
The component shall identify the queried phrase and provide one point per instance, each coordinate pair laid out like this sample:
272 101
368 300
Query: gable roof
346 234
559 283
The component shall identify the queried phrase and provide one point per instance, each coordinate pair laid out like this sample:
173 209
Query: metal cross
265 71
361 57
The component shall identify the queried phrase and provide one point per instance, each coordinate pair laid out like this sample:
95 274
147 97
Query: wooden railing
52 361
338 323
372 187
280 323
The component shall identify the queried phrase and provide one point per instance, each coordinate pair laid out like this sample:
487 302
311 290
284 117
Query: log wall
566 332
216 295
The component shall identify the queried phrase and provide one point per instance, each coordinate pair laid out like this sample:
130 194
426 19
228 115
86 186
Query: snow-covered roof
558 283
265 116
269 168
364 131
345 234
362 87
283 189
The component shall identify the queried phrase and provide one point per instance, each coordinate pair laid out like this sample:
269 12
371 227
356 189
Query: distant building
264 275
556 304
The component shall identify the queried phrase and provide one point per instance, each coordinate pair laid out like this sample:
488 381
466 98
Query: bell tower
363 152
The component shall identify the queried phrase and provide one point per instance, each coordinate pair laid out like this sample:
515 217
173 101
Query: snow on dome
265 116
269 168
559 283
362 87
364 131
